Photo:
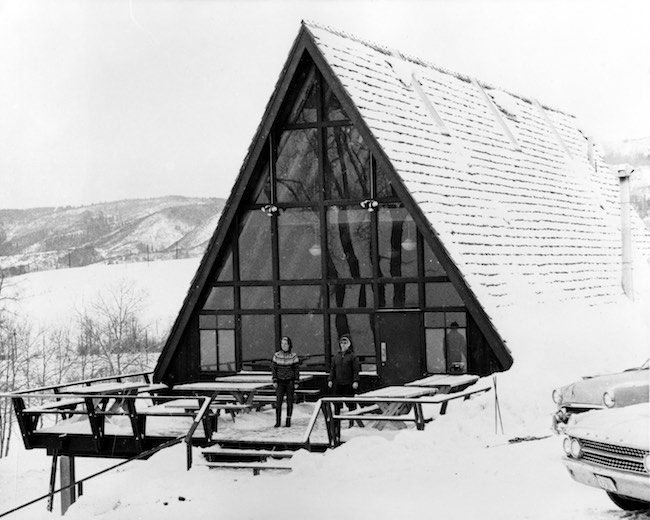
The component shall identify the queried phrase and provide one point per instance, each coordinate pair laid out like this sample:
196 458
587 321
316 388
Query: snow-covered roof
524 205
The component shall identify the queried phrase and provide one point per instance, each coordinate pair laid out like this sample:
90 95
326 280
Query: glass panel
208 347
208 321
258 341
459 318
383 186
435 343
304 107
227 350
434 319
398 295
225 272
256 297
300 297
442 294
255 247
333 109
306 333
226 321
431 265
397 243
361 329
299 244
219 298
348 243
297 166
456 350
350 296
262 192
348 164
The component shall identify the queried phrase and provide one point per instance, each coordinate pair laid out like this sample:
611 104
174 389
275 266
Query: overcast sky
109 99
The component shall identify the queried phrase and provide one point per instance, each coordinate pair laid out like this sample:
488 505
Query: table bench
376 413
444 399
63 406
190 405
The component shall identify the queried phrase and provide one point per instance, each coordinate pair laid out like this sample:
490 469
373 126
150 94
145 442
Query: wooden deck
124 419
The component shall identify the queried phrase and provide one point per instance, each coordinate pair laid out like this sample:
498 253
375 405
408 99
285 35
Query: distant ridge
120 231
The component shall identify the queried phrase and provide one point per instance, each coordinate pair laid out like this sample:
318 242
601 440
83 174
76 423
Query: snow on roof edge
388 51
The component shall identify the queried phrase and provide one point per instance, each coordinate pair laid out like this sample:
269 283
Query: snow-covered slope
51 298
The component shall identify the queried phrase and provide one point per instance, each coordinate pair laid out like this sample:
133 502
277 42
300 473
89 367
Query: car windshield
645 365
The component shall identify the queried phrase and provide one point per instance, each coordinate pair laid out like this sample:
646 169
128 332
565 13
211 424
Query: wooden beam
497 115
550 124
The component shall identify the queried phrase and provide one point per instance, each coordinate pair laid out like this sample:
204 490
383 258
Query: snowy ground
456 469
53 298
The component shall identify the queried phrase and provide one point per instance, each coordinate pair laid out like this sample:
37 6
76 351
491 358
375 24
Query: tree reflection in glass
297 166
348 243
347 164
299 244
255 247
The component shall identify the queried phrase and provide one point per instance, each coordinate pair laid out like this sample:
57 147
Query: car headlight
576 448
608 400
646 462
557 396
566 444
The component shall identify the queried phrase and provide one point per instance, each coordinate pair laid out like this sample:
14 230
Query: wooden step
215 454
255 466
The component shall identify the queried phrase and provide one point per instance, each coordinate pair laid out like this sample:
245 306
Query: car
609 449
616 390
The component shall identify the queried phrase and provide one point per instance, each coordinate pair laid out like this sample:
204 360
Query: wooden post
68 494
50 500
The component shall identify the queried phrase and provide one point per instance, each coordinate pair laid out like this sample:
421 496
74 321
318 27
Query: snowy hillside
51 298
128 230
633 151
636 153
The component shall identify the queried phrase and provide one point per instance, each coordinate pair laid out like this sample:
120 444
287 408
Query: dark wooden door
400 353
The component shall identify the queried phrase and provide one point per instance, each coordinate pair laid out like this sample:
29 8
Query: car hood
590 390
629 426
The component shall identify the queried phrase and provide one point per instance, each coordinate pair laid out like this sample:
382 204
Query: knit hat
345 335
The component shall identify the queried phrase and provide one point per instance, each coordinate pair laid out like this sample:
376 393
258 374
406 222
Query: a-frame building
401 203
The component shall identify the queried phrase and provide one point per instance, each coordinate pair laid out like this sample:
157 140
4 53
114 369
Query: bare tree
111 329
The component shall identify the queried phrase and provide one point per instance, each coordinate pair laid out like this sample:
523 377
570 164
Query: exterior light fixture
315 250
369 204
270 210
408 244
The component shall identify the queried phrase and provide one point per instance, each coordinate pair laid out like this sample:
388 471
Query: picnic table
391 409
243 392
105 392
445 384
264 377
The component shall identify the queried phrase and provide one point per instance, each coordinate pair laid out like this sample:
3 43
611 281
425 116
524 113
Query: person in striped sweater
285 371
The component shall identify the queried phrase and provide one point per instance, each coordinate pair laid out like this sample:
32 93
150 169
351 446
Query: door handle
383 353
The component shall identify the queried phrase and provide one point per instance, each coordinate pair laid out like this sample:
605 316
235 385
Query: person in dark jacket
344 375
285 371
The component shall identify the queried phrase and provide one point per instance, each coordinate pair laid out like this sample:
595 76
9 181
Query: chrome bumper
627 484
